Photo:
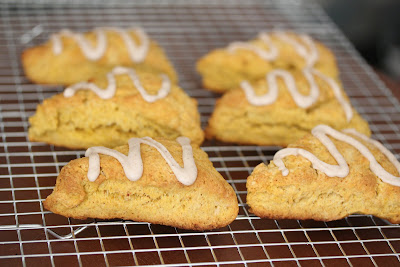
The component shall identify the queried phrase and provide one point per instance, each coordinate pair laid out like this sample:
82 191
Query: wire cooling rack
32 236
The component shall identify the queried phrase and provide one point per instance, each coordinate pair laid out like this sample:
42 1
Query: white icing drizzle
136 52
300 100
110 90
308 51
269 55
338 94
133 164
310 55
342 169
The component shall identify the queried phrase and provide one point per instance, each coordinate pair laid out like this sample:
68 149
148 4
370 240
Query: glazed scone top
133 164
68 57
93 52
303 45
342 168
306 84
301 100
174 115
111 88
120 81
223 69
285 49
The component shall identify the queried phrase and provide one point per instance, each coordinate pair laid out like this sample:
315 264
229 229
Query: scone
327 175
113 108
151 180
223 69
281 108
70 57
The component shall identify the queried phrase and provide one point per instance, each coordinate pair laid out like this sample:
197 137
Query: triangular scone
156 197
84 119
223 69
307 192
68 64
280 120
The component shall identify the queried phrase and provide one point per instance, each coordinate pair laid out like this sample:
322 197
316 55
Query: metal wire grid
28 170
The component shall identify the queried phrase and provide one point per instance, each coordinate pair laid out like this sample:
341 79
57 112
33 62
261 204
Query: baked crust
42 66
222 70
307 193
86 120
157 197
283 122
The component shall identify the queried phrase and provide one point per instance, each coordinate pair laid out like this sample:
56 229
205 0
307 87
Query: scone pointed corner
157 197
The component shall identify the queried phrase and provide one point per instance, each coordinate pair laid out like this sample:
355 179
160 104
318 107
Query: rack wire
32 236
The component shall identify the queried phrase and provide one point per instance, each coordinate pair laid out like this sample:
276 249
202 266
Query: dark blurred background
373 26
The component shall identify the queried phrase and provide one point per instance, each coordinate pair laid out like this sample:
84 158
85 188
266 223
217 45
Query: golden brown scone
86 120
280 123
157 197
307 193
42 65
223 70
